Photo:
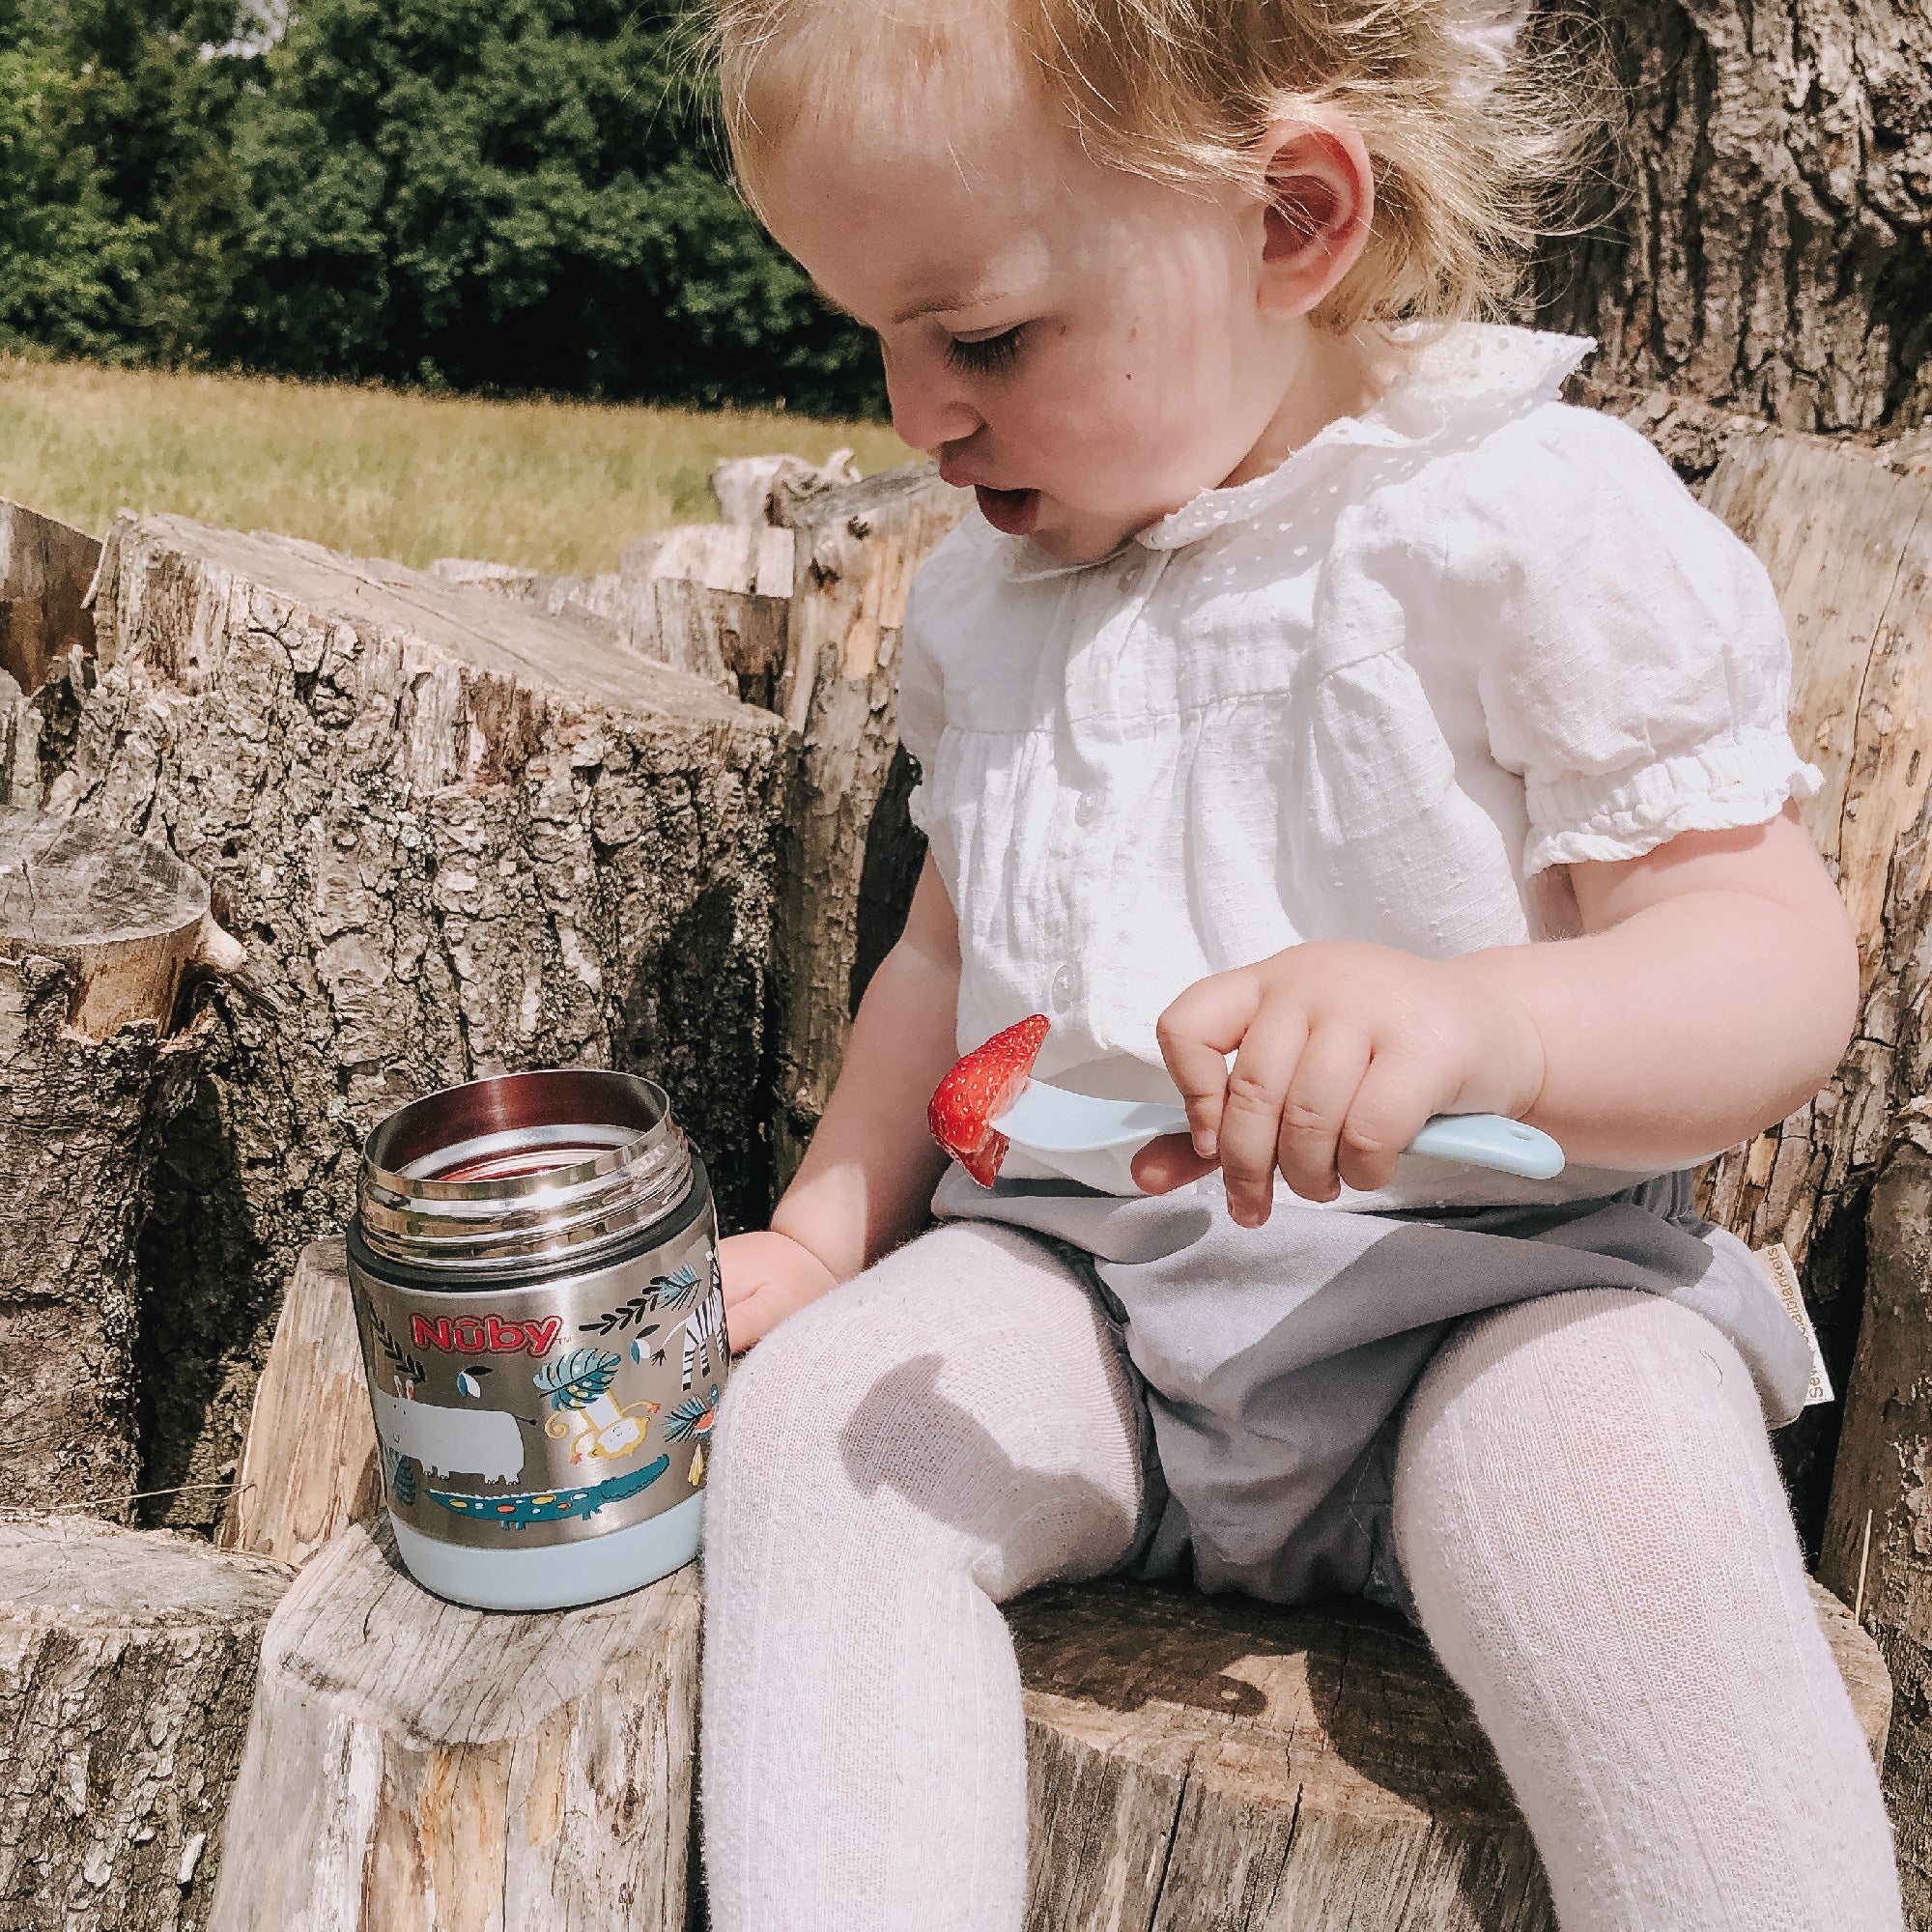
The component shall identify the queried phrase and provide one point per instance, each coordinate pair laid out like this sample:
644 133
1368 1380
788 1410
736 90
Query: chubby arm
869 1172
1711 993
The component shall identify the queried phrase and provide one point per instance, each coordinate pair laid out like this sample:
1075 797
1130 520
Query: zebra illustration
703 1337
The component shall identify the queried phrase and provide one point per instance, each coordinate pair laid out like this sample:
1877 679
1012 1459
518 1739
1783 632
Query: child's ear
1318 194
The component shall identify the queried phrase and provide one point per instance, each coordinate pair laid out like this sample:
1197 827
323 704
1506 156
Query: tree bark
97 930
308 1463
1772 250
411 1765
459 836
1213 1761
1878 1537
839 697
45 568
126 1669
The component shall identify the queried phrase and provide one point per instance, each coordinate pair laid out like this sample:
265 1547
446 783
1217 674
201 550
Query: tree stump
770 488
459 836
96 932
708 598
1847 542
416 1767
1878 1537
126 1669
309 1466
1210 1761
711 599
45 568
848 855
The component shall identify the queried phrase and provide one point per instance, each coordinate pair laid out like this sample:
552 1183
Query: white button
1086 807
1060 995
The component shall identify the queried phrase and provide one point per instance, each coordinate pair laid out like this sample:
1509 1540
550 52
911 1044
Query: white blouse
1386 692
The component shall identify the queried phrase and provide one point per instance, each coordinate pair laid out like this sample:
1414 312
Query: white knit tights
1586 1509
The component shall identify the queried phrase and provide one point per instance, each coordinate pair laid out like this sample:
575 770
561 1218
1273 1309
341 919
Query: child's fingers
1197 1033
1317 1102
1397 1095
1257 1084
1168 1163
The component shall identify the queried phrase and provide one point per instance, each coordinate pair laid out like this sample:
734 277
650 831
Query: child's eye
988 354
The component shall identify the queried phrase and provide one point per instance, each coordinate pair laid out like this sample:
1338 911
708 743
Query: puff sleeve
1633 668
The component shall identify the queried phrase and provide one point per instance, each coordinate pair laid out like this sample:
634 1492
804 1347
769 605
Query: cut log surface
45 568
414 1767
846 826
124 915
97 929
1878 1536
1213 1762
458 835
707 599
127 1670
309 1466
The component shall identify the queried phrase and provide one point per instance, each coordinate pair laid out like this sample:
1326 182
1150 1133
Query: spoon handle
1492 1141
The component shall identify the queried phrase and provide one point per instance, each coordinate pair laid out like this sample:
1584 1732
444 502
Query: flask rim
633 1166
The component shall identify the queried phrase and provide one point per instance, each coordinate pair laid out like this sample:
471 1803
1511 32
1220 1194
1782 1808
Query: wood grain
45 568
126 1669
308 1463
1197 1762
122 914
1877 1535
416 1767
845 841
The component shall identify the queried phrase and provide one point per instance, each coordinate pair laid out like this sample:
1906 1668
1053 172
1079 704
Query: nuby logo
486 1334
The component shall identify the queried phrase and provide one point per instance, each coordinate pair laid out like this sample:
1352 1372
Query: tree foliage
68 255
515 195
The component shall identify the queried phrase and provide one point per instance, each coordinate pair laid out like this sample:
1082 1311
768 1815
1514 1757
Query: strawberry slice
980 1089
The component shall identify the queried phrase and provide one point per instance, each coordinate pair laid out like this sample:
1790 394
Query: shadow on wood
1197 1761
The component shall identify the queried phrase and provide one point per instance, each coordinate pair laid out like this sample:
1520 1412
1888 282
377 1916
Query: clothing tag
1776 1263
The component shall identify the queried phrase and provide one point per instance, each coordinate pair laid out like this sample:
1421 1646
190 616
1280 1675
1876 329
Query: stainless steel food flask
534 1266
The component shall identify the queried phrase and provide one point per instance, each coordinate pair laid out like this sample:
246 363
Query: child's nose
930 407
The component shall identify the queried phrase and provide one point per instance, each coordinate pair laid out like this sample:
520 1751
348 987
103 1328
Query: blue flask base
561 1576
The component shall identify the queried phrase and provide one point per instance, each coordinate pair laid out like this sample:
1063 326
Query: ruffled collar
1455 380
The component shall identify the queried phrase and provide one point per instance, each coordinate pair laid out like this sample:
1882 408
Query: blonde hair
1471 164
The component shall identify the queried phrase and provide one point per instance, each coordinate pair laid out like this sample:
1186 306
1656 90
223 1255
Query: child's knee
1565 1405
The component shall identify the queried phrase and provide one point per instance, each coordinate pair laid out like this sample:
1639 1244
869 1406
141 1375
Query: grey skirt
1273 1363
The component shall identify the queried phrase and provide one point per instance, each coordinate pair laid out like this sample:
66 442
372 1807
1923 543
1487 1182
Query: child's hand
766 1276
1344 1051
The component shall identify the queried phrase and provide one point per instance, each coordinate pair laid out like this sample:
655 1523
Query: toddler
1321 720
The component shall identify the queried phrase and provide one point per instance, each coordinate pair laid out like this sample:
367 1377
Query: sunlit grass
558 486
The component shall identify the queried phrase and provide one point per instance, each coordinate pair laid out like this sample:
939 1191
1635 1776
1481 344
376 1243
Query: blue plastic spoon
1049 1119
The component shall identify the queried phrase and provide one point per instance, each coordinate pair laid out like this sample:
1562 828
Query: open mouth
1013 512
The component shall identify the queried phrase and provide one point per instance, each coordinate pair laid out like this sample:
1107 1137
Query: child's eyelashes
985 354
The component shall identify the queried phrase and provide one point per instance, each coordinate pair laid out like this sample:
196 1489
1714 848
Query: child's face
1085 347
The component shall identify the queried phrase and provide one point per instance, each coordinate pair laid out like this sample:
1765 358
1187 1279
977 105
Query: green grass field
558 486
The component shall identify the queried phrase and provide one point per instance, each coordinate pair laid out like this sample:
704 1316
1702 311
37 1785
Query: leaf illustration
578 1379
405 1363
